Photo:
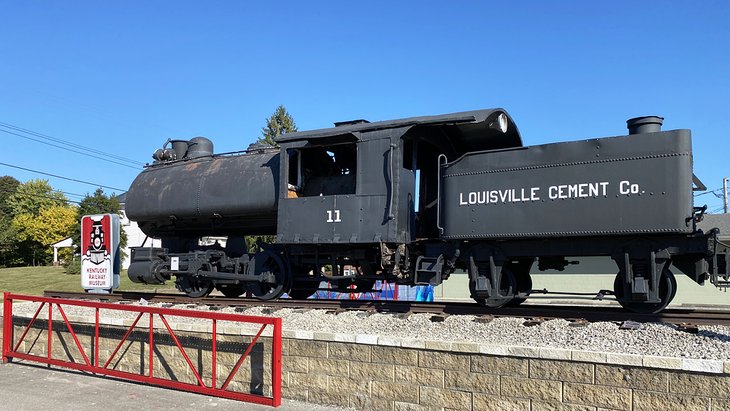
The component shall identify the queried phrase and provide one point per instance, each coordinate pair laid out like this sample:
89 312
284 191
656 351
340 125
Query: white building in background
65 243
135 236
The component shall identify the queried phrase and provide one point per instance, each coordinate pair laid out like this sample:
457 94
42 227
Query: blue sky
125 76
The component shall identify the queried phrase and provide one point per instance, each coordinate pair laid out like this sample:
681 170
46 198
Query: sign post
100 253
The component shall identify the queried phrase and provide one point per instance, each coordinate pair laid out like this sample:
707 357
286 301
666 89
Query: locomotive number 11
336 218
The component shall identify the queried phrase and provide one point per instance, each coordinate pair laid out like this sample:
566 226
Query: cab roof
469 130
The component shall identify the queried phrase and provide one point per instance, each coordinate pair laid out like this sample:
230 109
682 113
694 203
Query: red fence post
214 354
276 363
50 328
7 325
152 343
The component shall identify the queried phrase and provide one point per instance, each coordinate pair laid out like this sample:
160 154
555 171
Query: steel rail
677 316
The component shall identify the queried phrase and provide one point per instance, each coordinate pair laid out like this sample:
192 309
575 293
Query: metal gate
214 388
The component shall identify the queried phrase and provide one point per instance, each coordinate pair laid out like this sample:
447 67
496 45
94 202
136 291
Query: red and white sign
100 252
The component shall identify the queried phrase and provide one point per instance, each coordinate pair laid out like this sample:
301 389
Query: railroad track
685 317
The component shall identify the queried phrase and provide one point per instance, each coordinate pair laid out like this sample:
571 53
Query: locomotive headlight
500 123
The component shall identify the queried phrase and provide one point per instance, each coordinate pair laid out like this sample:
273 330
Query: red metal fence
10 347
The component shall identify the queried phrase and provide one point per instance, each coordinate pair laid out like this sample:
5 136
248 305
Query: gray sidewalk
36 387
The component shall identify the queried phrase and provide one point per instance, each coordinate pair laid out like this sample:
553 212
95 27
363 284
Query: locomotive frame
411 200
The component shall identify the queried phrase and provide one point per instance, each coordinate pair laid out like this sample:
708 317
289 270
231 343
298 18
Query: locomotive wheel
301 293
231 290
524 285
303 286
194 287
507 289
269 264
667 291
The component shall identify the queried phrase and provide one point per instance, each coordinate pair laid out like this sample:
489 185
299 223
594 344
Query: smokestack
646 124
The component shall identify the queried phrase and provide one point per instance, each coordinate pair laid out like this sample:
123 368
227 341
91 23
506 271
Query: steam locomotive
412 200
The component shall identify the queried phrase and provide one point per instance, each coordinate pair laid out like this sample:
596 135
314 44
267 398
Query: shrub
72 266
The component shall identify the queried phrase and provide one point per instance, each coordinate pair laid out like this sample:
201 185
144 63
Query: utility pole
724 194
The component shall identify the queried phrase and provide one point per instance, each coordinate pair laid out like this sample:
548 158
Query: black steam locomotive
412 200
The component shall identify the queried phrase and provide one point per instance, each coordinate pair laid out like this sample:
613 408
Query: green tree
8 186
97 203
281 122
8 246
32 196
9 252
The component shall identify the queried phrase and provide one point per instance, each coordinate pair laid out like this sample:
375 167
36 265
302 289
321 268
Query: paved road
31 387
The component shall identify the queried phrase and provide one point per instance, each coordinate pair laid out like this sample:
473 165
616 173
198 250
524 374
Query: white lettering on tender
626 187
509 195
554 192
580 190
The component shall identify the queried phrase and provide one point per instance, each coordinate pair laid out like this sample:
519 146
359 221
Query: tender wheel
524 285
507 289
274 274
667 291
193 287
232 290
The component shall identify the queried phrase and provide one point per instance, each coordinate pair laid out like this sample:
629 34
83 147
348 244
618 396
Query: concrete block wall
254 376
395 378
380 373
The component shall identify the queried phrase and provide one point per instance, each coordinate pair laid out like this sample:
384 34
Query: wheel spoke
195 288
269 264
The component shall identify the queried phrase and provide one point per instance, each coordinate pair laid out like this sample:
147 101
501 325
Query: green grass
35 280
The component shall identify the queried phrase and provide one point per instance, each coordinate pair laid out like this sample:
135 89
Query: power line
718 209
70 194
61 177
58 140
41 196
714 192
68 149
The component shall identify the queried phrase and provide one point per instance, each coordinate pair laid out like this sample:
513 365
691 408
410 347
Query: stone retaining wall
380 373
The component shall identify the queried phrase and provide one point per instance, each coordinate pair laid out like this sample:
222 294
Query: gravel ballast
710 343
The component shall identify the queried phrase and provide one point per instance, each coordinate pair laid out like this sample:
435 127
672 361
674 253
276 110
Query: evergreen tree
281 122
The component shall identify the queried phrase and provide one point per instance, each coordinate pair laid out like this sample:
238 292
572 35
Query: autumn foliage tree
51 225
41 216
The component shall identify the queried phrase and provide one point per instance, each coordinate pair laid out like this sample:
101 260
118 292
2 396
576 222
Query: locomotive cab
360 194
332 185
362 182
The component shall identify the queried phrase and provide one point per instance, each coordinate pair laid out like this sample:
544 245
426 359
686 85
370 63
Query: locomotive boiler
412 200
